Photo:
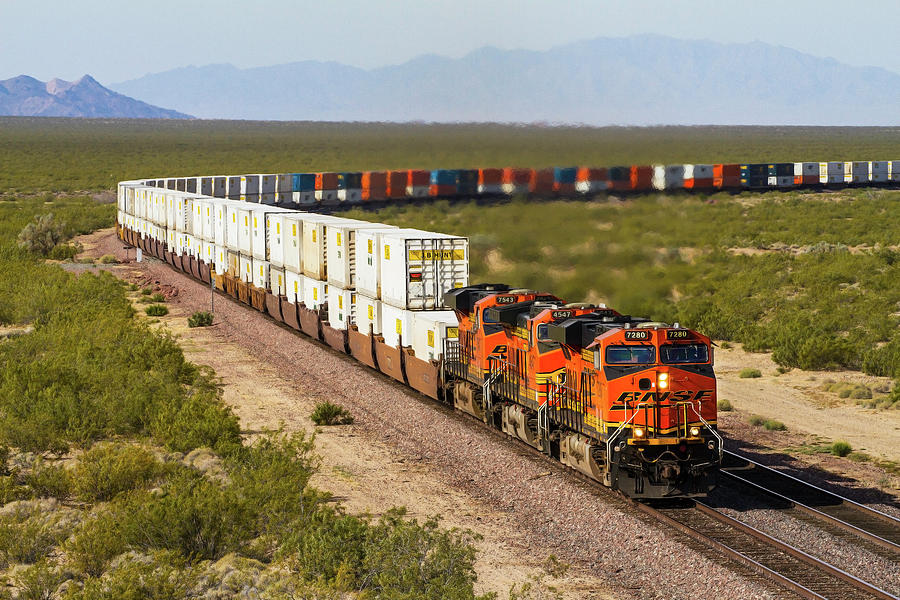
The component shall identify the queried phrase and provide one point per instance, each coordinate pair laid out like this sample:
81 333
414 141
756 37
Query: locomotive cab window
630 355
542 333
684 353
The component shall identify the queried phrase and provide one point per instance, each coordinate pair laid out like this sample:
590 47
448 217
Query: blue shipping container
564 174
444 177
304 182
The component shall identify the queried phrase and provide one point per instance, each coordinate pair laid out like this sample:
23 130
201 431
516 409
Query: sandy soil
363 473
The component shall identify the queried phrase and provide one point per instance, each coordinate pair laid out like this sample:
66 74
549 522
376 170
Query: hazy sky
119 40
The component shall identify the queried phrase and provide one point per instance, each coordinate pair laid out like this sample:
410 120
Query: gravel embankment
589 529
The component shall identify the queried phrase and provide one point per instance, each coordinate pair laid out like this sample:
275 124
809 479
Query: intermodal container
467 182
266 189
220 187
250 188
233 187
418 183
516 180
894 170
727 176
879 171
780 174
293 287
698 176
443 182
668 177
315 293
430 329
806 173
754 175
490 181
349 187
591 179
374 185
304 188
277 281
542 181
418 267
641 177
856 172
326 186
284 188
368 314
396 184
564 179
619 178
341 307
831 172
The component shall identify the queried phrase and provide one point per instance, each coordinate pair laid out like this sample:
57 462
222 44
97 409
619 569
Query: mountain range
639 80
27 97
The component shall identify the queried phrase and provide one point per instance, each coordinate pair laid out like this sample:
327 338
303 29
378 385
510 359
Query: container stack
418 183
490 181
516 181
590 180
668 177
326 187
780 174
304 188
564 179
698 176
444 182
831 172
879 171
349 187
806 173
754 175
894 170
856 172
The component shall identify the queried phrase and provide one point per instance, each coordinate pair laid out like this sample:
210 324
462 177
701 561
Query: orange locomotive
628 402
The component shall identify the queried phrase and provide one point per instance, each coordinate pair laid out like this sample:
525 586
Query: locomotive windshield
630 355
684 353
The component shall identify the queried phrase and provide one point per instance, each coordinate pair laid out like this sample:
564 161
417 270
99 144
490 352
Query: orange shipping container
517 176
727 175
641 177
396 184
419 178
374 185
490 176
326 181
591 174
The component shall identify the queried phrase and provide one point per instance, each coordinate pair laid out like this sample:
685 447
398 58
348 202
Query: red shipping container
442 190
592 174
374 185
542 181
641 177
517 176
490 176
396 184
807 180
326 181
727 175
419 178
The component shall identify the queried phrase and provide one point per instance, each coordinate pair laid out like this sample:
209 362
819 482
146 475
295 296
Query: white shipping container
275 231
293 287
368 313
293 242
246 269
698 171
209 253
315 292
221 259
341 307
341 251
417 191
497 188
781 180
806 169
188 244
284 185
260 244
181 244
315 243
172 241
266 189
831 172
879 171
431 328
197 247
894 170
350 195
396 325
856 172
667 177
368 261
245 230
260 273
417 267
277 281
209 219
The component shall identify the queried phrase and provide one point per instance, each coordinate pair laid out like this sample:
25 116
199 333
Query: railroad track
805 575
881 532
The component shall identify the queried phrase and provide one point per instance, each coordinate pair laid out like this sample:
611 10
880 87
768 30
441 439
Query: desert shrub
329 413
202 420
156 310
201 318
41 235
108 259
49 481
67 252
146 291
773 425
781 370
161 575
39 581
756 420
724 405
28 534
155 297
749 373
861 393
841 448
107 470
132 287
94 542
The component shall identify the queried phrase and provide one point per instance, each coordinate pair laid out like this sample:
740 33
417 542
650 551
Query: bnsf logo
506 299
679 396
637 334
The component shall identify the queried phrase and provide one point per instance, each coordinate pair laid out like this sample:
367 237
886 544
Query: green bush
155 297
162 575
94 543
749 373
108 259
756 420
39 581
156 310
841 448
49 481
201 318
328 413
41 235
146 291
773 425
67 252
27 535
724 405
109 469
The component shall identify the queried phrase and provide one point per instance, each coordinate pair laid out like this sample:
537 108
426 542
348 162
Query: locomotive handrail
615 434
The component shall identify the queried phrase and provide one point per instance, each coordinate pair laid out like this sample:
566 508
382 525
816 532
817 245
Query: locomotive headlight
695 431
638 432
663 380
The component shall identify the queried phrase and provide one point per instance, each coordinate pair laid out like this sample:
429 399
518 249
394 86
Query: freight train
624 400
308 190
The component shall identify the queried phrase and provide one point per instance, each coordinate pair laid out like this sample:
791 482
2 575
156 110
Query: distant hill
25 96
638 80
